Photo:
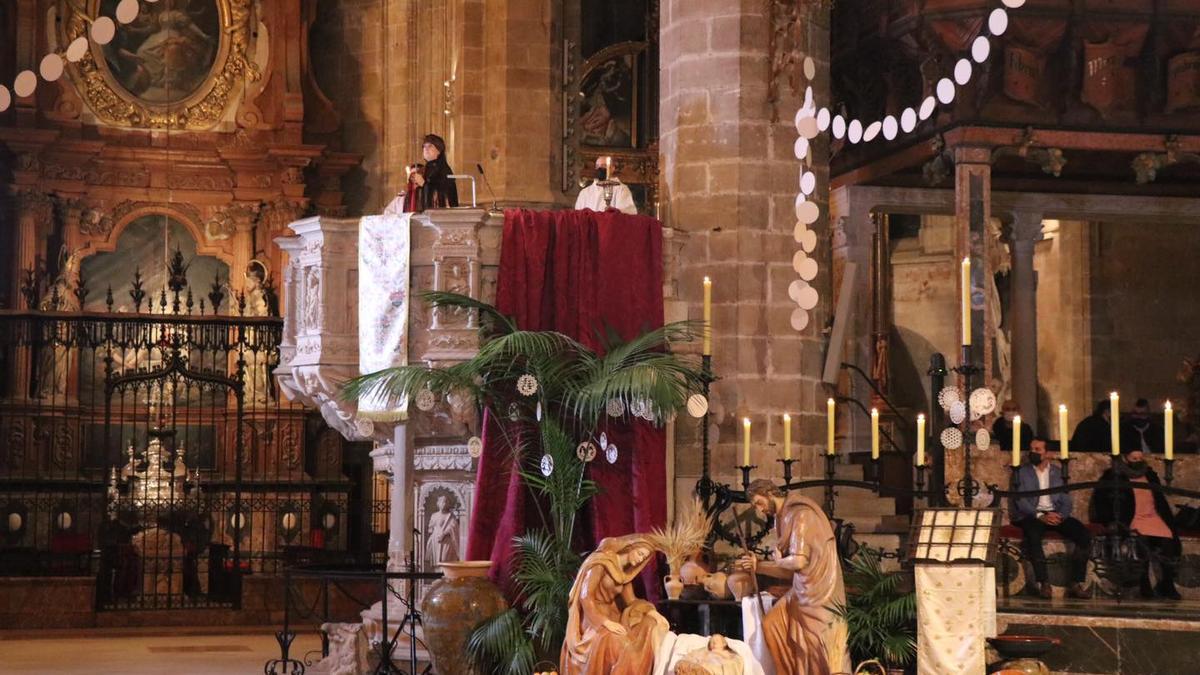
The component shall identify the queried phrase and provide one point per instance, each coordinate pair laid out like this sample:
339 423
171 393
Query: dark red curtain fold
581 273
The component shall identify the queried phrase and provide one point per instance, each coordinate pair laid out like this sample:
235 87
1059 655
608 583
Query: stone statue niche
443 523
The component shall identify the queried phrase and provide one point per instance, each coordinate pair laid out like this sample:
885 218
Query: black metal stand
830 473
787 469
746 469
1169 472
967 486
1066 470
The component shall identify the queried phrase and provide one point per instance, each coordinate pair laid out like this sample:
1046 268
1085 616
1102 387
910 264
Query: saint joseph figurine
802 633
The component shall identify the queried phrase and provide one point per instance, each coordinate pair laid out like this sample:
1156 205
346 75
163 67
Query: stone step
855 502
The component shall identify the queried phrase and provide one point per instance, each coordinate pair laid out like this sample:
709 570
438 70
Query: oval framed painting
178 64
167 53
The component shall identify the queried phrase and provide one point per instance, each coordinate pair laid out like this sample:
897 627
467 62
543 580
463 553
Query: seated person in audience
1037 515
1002 428
1143 511
1094 433
1149 432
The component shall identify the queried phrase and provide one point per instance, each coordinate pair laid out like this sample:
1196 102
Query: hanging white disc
6 100
795 288
1013 4
127 11
890 127
810 68
823 119
807 212
697 405
962 71
25 84
998 21
798 259
603 440
908 120
927 107
799 319
798 232
958 412
839 126
947 397
981 48
547 465
77 49
945 90
983 439
801 147
104 30
808 182
808 298
806 126
51 67
872 131
538 411
808 269
475 447
952 439
610 454
808 241
854 132
615 407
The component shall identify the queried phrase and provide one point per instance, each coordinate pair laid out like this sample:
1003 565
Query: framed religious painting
608 109
180 63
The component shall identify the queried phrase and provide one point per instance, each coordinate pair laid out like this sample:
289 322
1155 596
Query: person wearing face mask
592 196
1149 433
1002 428
1048 513
1144 511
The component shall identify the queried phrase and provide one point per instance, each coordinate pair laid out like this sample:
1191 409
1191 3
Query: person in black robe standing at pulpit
430 185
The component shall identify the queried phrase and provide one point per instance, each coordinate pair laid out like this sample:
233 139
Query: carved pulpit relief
444 495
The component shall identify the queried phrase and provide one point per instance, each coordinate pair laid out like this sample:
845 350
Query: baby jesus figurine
715 659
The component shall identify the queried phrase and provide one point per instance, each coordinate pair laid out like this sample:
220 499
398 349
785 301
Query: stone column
729 180
972 211
34 211
243 218
1024 233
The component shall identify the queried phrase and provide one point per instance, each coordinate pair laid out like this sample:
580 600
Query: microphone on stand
488 184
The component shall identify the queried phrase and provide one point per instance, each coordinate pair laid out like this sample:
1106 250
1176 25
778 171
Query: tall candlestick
1016 439
874 433
787 436
966 301
921 440
1063 439
1169 430
831 423
707 316
745 441
1114 413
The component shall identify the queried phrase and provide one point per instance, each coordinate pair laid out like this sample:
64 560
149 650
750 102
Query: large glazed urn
452 608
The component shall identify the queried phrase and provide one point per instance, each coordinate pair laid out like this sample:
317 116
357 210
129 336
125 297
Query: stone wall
728 183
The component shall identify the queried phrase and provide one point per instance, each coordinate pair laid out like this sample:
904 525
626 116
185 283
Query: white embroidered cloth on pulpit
383 271
956 613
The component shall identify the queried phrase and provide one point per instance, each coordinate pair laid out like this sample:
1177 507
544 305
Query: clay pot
674 586
453 607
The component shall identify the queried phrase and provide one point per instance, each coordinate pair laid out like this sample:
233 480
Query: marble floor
150 652
1133 607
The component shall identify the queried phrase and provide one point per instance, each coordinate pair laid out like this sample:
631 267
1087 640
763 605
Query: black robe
439 191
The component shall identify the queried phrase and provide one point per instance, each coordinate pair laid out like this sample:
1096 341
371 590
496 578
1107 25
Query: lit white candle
707 316
831 424
966 301
745 441
1016 441
1114 413
874 433
1063 438
787 436
1169 430
921 440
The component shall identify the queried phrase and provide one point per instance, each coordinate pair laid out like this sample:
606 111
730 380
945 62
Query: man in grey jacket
1038 514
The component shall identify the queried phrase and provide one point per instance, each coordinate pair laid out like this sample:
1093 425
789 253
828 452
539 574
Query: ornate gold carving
281 213
227 220
204 109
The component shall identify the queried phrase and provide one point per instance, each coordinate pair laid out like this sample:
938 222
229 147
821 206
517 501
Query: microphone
487 183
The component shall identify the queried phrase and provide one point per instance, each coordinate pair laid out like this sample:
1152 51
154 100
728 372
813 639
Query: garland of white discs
102 31
810 122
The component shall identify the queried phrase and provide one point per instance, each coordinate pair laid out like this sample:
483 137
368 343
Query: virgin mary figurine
610 631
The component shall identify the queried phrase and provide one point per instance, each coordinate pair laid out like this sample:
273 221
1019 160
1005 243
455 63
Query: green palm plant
577 391
880 613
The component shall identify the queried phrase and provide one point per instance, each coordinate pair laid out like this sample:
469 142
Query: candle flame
746 422
1062 407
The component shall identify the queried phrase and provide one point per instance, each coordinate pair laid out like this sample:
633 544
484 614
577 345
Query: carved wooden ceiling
1076 91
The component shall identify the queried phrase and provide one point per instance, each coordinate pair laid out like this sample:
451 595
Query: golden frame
203 109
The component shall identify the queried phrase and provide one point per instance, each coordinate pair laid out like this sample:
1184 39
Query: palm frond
501 646
490 317
879 613
393 385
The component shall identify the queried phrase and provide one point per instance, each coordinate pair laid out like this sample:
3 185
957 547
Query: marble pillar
1024 233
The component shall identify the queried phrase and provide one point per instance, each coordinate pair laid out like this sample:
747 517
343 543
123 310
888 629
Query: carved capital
35 204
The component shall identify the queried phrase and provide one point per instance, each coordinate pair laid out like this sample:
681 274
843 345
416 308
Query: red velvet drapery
579 273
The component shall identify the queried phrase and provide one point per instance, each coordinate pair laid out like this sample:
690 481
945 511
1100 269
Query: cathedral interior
211 210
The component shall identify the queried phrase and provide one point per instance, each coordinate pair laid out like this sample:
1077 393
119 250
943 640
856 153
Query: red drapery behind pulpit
579 273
